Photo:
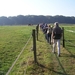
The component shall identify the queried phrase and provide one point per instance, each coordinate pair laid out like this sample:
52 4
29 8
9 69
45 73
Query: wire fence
35 37
68 39
18 57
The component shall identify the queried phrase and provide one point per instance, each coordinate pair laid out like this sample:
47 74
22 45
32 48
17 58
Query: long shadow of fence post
64 72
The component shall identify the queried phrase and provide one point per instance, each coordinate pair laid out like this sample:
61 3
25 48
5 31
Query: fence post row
63 37
34 45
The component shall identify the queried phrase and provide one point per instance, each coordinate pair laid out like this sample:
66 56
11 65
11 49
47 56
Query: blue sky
37 7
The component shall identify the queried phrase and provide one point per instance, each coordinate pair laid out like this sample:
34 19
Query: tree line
35 19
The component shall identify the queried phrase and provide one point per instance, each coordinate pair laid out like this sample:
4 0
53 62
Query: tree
35 19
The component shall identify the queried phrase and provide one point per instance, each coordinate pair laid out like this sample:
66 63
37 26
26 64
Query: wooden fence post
37 31
34 45
63 37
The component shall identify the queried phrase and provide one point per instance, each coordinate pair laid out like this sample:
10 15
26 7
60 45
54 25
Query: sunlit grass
12 40
48 63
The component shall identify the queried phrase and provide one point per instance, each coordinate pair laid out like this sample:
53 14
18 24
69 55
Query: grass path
48 63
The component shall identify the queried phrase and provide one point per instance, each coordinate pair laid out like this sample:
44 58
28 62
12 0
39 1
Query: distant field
12 40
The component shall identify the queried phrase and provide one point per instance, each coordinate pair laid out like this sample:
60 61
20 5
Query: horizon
37 15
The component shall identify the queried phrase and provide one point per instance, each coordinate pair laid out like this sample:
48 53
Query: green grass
12 40
28 66
48 63
68 59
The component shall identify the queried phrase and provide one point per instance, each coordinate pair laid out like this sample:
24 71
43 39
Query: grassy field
48 63
12 40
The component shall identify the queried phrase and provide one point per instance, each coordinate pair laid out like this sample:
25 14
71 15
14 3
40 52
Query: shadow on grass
67 55
70 45
71 55
64 72
51 69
